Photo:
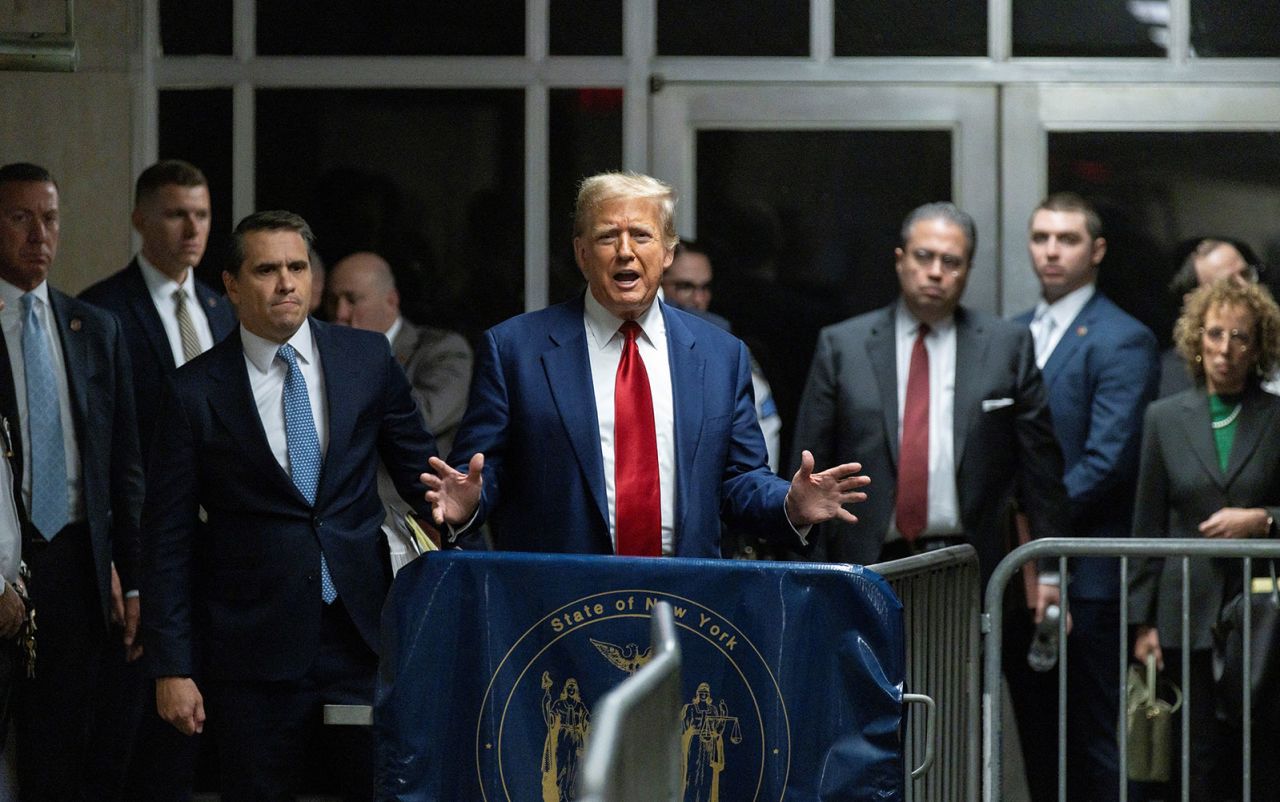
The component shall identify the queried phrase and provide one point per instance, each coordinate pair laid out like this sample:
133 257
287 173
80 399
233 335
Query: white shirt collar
1065 309
395 329
161 286
13 296
261 351
906 324
603 324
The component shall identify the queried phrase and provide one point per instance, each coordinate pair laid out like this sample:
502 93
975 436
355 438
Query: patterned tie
635 442
186 328
912 508
304 448
49 507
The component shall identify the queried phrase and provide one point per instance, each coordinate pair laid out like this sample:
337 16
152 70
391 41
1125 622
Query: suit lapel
1198 428
883 354
215 312
1072 339
75 350
971 354
231 400
144 310
688 372
1255 419
335 365
568 371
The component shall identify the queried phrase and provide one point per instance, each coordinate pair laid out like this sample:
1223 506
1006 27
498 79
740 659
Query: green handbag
1150 744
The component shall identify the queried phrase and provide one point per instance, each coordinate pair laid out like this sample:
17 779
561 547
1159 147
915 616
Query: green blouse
1224 411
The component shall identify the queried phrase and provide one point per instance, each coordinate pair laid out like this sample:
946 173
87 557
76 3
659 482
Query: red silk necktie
635 451
912 510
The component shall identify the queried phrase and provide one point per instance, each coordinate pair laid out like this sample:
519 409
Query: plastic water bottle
1043 654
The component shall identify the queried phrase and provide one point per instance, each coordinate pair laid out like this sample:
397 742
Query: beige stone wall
80 126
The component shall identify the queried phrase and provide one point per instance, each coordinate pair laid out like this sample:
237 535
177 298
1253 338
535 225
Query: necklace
1227 421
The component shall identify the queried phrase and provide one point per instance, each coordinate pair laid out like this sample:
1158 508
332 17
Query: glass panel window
800 228
195 125
433 180
1224 28
888 28
1114 28
586 27
1157 190
715 28
195 27
585 139
391 28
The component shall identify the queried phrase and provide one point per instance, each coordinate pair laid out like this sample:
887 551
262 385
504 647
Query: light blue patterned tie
304 448
49 509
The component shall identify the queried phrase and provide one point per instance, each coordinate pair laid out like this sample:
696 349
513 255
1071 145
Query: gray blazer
1004 443
1180 484
438 364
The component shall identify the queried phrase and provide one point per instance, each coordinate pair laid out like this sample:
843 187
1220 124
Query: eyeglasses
925 259
1216 335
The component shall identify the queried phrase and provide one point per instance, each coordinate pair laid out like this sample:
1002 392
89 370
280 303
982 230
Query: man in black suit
65 385
277 433
168 317
946 454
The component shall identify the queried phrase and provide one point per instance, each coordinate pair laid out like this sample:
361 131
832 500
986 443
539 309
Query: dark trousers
55 710
268 732
1034 697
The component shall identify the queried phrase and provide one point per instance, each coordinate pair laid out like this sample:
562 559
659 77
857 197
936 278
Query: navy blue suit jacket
97 365
253 571
1100 378
532 413
125 295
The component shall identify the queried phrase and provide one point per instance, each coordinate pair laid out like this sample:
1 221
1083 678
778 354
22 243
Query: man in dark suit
276 432
947 410
1101 369
168 317
614 424
65 388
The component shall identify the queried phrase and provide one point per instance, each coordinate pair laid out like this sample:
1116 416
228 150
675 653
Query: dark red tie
912 509
635 451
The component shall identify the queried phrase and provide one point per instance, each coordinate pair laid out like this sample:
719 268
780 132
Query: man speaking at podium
613 424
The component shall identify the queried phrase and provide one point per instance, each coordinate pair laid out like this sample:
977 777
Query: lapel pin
211 302
76 325
1081 331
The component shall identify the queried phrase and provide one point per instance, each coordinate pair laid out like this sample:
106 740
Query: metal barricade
1123 549
940 594
633 754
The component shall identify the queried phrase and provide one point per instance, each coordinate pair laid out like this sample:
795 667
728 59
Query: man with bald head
362 293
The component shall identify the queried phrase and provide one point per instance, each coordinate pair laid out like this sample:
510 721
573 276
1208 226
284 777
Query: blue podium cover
492 662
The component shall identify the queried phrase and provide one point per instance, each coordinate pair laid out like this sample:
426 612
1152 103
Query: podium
792 675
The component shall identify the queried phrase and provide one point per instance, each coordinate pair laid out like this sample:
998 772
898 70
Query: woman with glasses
1210 468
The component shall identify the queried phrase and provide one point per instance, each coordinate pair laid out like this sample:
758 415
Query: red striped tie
912 510
635 442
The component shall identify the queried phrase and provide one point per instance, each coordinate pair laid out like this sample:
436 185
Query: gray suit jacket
1180 484
438 364
849 411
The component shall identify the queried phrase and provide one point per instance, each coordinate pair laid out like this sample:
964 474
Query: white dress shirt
940 343
161 288
266 378
11 322
604 350
1062 312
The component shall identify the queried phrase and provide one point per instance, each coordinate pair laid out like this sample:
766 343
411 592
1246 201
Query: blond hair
598 189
